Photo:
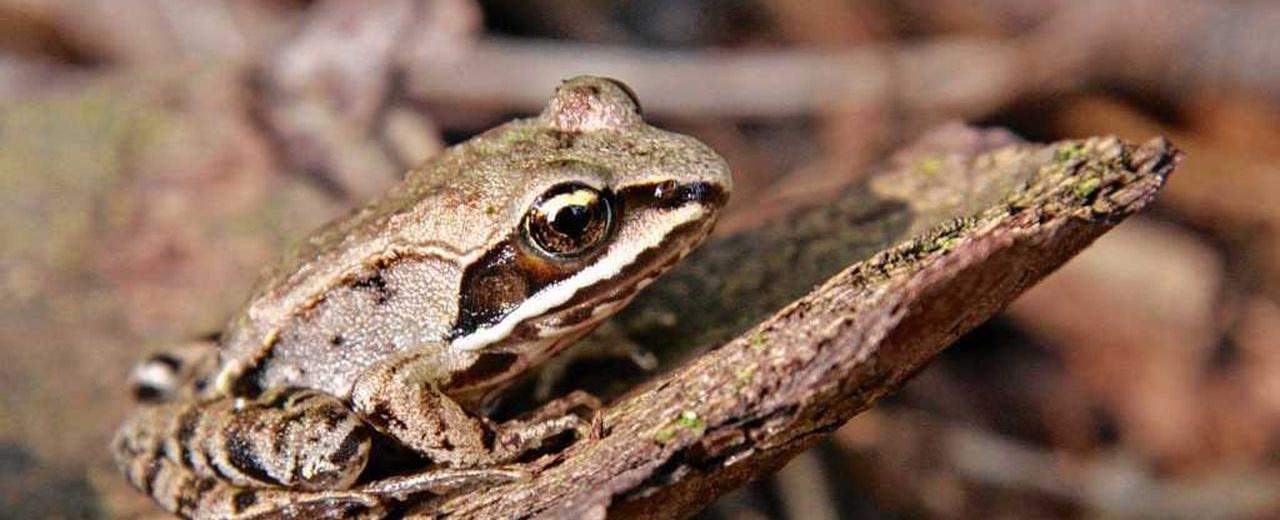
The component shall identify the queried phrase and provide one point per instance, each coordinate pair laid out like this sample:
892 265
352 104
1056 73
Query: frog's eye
568 220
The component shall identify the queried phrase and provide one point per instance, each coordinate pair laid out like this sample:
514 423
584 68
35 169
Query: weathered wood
952 230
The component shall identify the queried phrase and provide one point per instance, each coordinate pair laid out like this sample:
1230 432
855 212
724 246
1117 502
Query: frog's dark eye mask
574 239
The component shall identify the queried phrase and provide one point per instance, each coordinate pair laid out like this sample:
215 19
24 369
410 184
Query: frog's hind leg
181 491
607 342
303 440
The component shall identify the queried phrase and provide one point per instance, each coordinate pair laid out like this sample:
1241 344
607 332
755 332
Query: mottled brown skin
403 319
209 459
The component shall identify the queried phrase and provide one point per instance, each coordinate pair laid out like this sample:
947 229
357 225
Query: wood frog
398 323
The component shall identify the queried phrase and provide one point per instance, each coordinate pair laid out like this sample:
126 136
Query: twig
949 78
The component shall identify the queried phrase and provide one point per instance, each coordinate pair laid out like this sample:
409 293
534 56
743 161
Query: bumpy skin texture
191 455
405 317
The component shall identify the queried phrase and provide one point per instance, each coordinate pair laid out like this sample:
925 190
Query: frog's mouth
658 227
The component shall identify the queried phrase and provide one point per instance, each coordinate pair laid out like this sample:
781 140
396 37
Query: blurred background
155 154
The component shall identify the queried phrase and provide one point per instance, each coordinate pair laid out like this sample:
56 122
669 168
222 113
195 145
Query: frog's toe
442 481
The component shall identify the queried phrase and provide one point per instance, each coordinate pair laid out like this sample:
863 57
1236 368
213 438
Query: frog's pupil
568 220
572 220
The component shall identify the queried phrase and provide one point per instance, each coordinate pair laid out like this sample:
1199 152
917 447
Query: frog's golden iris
569 220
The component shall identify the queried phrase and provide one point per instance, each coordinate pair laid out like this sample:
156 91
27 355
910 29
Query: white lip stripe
613 263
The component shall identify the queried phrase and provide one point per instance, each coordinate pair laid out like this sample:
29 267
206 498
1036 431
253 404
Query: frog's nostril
705 193
671 194
697 192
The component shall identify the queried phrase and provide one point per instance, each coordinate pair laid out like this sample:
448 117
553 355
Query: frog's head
605 204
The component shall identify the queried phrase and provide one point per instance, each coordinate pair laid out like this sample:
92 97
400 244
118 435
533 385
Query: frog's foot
441 481
173 373
576 403
608 342
393 398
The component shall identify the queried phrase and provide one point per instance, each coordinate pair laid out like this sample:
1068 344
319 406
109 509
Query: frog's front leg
288 451
402 398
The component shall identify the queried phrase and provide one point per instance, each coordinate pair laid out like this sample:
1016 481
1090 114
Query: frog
394 328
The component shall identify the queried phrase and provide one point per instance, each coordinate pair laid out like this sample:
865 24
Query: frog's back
382 279
390 276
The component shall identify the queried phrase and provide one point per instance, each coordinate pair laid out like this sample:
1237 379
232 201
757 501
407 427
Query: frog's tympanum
392 328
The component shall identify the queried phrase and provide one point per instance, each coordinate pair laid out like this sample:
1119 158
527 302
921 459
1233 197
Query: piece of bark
1226 191
669 447
735 281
